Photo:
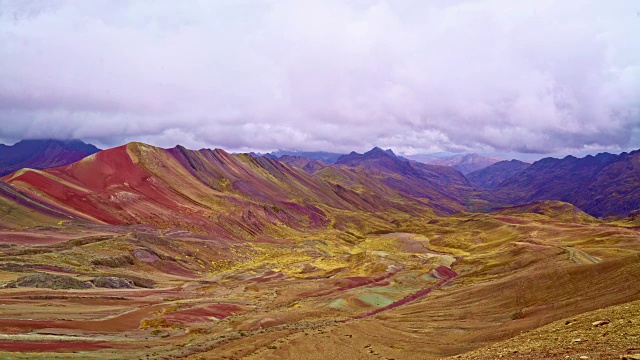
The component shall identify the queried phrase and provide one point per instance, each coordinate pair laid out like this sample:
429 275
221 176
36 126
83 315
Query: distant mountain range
245 195
41 154
326 157
600 185
465 163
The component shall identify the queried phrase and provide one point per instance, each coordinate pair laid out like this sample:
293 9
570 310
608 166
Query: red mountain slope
212 191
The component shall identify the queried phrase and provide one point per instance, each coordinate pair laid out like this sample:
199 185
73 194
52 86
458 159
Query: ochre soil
472 286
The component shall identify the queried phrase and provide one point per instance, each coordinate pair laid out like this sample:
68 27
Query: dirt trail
413 242
579 256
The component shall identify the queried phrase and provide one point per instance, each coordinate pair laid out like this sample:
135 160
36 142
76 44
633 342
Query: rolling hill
551 209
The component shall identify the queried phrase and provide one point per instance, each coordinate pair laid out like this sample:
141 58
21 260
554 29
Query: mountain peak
376 151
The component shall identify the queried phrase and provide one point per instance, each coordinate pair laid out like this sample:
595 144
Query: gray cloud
489 75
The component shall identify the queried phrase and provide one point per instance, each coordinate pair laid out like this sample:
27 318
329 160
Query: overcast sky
499 76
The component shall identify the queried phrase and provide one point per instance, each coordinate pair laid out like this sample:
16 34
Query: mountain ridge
579 181
243 195
602 185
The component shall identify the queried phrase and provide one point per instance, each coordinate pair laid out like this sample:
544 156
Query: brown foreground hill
140 252
437 287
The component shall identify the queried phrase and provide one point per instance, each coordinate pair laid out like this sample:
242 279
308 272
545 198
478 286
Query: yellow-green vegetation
299 295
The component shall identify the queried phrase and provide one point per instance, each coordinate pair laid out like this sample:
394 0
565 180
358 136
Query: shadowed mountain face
491 176
600 185
42 154
615 190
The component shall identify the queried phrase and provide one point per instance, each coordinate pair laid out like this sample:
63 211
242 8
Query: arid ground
473 286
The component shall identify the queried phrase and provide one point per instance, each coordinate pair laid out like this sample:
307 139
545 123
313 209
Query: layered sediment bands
214 192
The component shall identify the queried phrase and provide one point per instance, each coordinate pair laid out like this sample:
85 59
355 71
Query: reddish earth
124 322
204 314
181 203
172 268
96 180
58 346
268 276
212 192
443 272
351 283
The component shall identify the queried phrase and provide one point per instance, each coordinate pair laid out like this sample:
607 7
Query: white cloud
487 75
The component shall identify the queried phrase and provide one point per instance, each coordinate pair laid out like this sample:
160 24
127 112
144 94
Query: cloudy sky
494 76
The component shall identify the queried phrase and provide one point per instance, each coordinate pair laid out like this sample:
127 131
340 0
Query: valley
319 180
446 284
140 252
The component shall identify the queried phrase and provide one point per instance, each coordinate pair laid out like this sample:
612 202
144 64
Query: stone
112 282
48 281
